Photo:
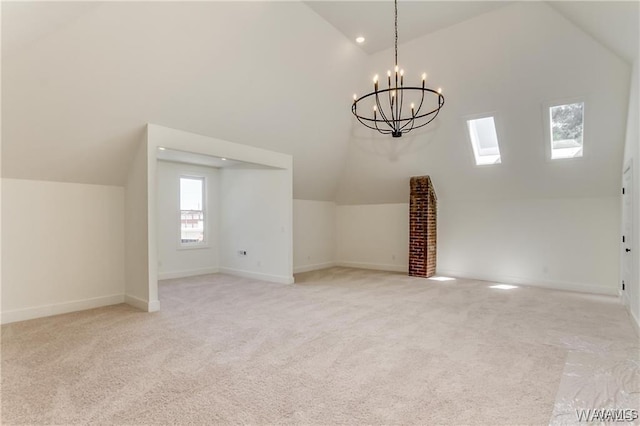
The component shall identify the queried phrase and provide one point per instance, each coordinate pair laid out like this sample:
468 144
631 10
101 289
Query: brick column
422 227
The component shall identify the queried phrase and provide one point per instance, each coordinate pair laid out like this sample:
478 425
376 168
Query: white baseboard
60 308
143 305
281 279
374 266
314 267
530 282
635 322
153 306
187 273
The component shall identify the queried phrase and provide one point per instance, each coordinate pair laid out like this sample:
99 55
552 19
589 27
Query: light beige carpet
342 346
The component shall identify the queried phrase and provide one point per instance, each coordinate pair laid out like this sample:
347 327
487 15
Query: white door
627 231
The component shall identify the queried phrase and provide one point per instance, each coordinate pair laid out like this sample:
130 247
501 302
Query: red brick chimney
422 227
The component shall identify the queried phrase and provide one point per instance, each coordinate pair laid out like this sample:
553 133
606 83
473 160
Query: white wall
259 73
567 244
62 248
256 217
373 236
314 235
248 197
139 274
632 156
528 220
175 261
498 62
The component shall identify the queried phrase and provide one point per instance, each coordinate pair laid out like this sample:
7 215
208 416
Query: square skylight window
484 140
566 130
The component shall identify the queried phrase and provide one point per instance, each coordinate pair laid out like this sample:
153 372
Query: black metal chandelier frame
389 120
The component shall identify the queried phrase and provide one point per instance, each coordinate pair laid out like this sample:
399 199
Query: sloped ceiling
510 63
616 24
78 92
81 80
27 23
374 19
612 23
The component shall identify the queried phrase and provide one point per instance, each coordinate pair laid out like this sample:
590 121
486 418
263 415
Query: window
484 140
566 130
192 210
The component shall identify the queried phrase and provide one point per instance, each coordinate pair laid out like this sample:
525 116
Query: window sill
193 246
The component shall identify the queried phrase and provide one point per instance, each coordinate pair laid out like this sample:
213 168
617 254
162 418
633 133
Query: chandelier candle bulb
439 90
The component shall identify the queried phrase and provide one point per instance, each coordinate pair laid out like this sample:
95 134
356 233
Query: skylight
566 130
484 140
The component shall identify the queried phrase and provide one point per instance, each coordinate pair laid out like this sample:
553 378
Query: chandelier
390 114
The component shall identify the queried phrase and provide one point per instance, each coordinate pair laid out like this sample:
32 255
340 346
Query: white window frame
546 120
205 225
472 148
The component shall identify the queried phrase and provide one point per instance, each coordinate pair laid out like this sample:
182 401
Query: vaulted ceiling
80 81
77 94
375 19
615 24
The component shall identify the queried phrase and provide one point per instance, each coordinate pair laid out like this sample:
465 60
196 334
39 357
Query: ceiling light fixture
360 39
161 148
223 159
388 118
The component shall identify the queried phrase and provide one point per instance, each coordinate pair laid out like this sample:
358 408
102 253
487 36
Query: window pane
191 210
190 194
567 124
484 140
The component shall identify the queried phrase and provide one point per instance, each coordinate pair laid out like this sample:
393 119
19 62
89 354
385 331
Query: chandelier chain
396 27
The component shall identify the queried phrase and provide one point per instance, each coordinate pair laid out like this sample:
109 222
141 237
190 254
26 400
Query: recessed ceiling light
223 159
504 286
161 148
360 39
